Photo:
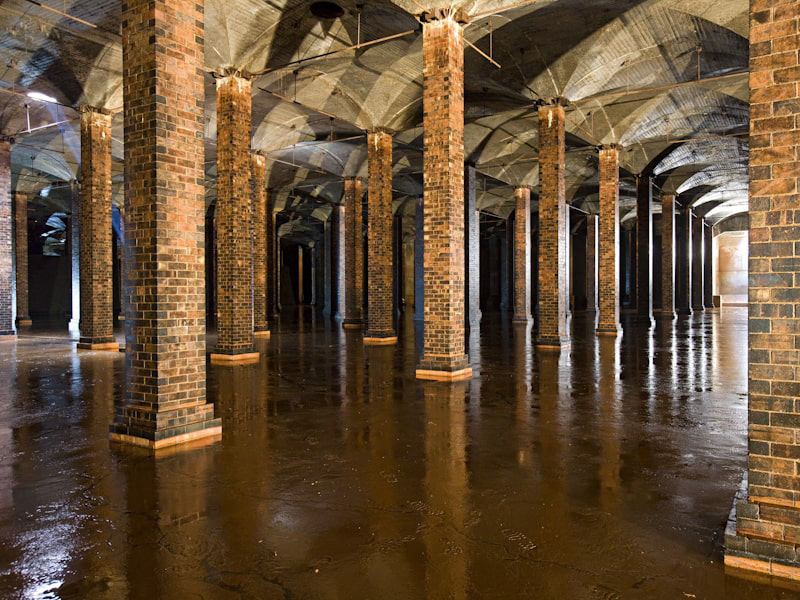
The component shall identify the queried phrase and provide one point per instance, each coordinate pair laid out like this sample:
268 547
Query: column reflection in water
551 427
448 491
610 424
523 359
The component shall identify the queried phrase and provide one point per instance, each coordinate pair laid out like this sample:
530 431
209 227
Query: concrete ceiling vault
665 79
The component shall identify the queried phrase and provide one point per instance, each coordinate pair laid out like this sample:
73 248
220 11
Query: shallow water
606 471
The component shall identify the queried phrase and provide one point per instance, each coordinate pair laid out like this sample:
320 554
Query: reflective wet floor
605 472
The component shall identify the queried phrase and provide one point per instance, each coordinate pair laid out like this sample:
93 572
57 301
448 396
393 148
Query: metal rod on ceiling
483 54
62 14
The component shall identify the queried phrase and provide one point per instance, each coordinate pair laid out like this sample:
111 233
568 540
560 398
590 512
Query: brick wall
165 388
522 255
97 309
591 262
380 326
443 206
259 173
768 520
608 251
234 217
354 253
6 245
667 257
553 269
21 249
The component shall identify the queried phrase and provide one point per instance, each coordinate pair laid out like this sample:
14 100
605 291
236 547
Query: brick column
75 257
697 263
667 311
354 254
96 255
260 217
165 388
522 256
553 240
443 356
591 263
472 248
683 276
644 248
708 273
338 255
234 222
419 261
608 243
270 238
380 321
21 250
6 244
765 535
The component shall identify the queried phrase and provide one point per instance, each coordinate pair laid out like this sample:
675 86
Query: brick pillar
165 388
419 261
6 244
472 248
96 254
21 250
234 222
522 255
708 252
338 255
591 263
260 218
667 311
327 242
608 243
121 265
506 244
380 318
683 276
644 248
765 535
75 256
697 263
553 240
443 356
354 254
270 238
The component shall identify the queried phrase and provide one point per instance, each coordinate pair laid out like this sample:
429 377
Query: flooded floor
605 472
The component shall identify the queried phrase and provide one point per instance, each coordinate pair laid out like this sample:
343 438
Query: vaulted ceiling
665 79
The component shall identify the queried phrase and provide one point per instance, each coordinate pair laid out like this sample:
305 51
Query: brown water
604 472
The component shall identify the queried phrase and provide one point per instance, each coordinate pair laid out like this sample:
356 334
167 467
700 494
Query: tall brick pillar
644 248
270 238
234 221
443 356
608 243
765 535
667 311
683 275
21 250
6 243
553 233
338 255
522 256
354 254
591 263
96 254
75 257
708 274
260 215
697 263
380 320
419 261
165 389
472 247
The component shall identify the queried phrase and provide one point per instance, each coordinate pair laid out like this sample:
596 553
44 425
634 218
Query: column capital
6 138
612 146
554 101
233 72
87 108
442 14
375 130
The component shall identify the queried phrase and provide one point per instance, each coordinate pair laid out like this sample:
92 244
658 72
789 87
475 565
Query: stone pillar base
154 431
555 344
352 324
120 317
375 339
246 358
264 333
109 346
435 375
609 330
664 315
24 322
521 320
8 335
685 312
